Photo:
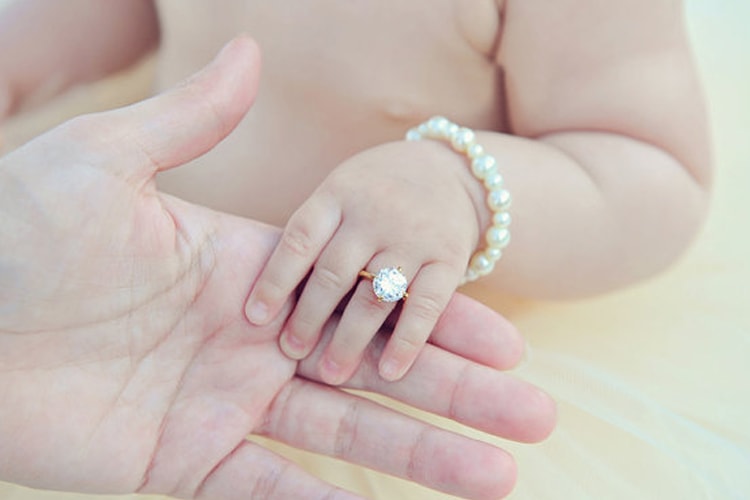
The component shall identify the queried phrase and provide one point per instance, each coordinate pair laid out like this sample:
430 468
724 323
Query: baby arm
47 46
609 161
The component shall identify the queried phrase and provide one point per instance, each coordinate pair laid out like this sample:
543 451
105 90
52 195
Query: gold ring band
366 275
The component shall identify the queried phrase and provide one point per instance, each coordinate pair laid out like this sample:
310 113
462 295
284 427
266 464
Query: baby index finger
304 238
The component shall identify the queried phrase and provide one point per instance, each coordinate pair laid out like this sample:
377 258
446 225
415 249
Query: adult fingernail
256 312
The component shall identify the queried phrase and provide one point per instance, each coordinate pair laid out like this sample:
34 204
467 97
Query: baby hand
410 207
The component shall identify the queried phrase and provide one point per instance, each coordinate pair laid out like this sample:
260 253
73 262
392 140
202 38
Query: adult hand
126 363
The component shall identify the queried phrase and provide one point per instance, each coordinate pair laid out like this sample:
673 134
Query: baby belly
282 150
247 177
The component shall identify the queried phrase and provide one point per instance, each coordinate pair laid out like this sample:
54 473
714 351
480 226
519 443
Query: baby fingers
428 297
333 276
305 236
374 298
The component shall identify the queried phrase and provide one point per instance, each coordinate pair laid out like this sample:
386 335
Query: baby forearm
591 212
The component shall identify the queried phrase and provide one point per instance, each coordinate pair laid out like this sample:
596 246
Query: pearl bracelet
484 168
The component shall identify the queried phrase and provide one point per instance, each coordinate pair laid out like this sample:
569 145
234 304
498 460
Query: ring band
388 285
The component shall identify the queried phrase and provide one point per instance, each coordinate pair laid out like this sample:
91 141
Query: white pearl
498 199
482 165
501 219
413 135
451 130
480 263
471 275
462 139
493 180
475 151
438 126
498 237
493 253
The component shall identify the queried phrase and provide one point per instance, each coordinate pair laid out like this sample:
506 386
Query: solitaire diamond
390 284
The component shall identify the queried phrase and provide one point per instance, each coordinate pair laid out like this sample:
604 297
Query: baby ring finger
363 316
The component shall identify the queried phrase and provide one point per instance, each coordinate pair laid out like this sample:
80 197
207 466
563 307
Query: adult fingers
451 386
332 422
252 471
478 396
473 331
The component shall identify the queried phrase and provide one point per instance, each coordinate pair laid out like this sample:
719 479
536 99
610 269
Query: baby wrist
484 167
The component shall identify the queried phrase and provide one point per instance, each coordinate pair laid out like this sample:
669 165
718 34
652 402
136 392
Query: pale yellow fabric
653 382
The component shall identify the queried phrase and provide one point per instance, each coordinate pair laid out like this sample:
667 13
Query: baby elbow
679 215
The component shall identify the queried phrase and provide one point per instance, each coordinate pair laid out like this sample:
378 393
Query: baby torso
338 76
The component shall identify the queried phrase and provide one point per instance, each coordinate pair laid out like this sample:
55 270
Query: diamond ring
389 284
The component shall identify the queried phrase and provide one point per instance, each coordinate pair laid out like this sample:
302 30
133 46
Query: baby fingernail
256 312
390 370
294 347
330 372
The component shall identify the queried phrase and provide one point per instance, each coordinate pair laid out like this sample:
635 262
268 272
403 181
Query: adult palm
126 363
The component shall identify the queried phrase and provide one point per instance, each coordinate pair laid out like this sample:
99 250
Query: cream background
653 382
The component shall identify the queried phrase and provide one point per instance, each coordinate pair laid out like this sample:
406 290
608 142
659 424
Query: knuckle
346 431
453 255
415 467
298 241
195 92
270 481
330 279
303 326
427 307
338 178
270 290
